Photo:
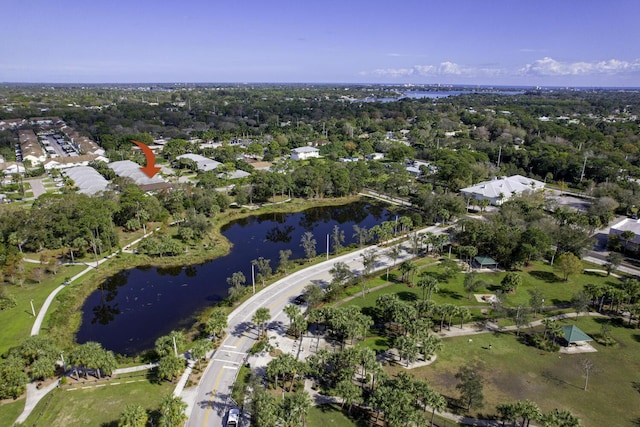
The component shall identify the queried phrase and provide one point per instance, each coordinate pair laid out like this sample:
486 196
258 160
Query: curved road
211 402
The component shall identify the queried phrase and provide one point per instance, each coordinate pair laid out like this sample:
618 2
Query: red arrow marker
151 169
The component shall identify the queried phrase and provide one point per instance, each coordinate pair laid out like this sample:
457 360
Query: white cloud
545 67
446 68
550 67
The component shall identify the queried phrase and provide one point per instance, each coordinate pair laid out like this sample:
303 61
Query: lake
130 310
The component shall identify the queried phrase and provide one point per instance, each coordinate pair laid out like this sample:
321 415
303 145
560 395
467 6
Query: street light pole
253 278
33 310
327 246
175 347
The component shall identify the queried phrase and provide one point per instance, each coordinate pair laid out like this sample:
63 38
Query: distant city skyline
466 42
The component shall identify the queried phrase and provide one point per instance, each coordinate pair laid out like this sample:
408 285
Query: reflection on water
134 307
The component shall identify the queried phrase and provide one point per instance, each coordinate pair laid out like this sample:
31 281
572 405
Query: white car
233 418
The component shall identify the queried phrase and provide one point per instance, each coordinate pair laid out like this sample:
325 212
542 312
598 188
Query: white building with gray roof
204 163
129 169
499 190
87 179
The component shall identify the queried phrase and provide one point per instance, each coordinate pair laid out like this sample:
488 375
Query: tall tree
429 285
264 268
337 239
614 259
588 368
216 323
308 244
536 300
172 411
260 317
284 262
470 387
133 415
567 263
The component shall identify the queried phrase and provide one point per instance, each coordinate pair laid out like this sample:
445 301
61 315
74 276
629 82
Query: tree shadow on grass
110 424
550 376
636 337
595 273
545 276
372 312
450 294
407 296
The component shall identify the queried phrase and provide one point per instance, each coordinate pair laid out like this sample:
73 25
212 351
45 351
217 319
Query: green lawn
513 371
17 322
330 415
96 406
539 275
9 412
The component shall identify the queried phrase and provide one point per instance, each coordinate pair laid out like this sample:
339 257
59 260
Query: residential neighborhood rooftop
87 179
129 169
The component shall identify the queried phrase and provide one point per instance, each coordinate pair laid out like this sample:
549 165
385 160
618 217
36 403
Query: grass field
330 415
539 275
10 411
17 322
96 406
513 371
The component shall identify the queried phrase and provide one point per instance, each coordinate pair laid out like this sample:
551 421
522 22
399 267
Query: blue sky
495 42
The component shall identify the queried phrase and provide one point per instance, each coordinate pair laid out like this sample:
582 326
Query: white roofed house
303 153
629 226
10 168
204 163
499 190
73 161
31 148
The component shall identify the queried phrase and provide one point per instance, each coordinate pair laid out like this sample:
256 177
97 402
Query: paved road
209 405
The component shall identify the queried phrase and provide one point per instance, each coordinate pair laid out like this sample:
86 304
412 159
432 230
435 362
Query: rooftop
505 186
204 163
129 169
87 179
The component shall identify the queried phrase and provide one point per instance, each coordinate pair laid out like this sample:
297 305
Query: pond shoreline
65 322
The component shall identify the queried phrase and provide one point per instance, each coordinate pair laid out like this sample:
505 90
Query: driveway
37 187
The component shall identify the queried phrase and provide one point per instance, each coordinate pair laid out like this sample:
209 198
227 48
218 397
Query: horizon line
404 85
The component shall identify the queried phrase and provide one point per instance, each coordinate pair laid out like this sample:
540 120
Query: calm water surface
133 308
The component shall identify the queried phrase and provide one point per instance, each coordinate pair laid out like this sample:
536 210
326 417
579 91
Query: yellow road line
215 388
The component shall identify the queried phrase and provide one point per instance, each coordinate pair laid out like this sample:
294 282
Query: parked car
233 418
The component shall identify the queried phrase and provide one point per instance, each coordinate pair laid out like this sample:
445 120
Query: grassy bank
513 371
18 321
97 406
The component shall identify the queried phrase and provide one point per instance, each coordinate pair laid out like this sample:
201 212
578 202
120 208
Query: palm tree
507 412
199 349
348 391
292 311
295 407
528 410
429 285
437 403
172 411
133 415
260 317
405 268
216 323
394 253
627 235
464 314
